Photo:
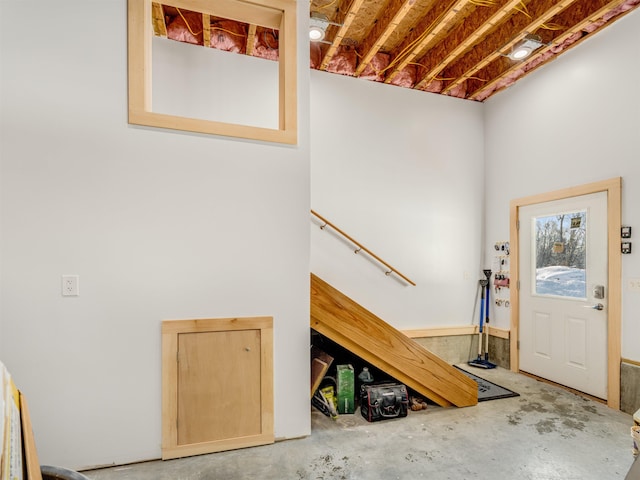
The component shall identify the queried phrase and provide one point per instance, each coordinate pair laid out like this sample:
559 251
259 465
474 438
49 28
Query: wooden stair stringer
347 323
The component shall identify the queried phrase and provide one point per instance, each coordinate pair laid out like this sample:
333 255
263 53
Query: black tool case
379 401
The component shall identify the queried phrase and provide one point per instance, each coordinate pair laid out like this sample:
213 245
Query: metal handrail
362 247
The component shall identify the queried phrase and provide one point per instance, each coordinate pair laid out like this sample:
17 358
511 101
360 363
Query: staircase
342 320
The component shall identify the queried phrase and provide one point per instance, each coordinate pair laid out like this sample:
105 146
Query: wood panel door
217 385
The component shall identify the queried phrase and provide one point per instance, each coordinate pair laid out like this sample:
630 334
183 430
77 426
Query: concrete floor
546 433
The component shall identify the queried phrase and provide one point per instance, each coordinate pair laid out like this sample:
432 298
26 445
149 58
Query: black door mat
488 390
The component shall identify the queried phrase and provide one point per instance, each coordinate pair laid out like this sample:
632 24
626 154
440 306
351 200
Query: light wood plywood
217 391
339 318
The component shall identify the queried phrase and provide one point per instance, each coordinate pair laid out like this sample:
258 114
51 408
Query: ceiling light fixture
317 27
525 47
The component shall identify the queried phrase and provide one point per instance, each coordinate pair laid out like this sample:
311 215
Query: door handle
597 306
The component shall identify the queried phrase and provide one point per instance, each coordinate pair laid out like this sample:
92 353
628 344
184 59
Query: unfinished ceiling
457 48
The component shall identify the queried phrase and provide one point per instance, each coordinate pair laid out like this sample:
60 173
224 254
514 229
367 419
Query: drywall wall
211 94
574 121
157 224
400 171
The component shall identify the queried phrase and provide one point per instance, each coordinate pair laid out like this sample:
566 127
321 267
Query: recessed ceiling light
525 47
315 33
318 24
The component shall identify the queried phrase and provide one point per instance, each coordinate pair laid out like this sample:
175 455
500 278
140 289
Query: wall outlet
70 285
633 284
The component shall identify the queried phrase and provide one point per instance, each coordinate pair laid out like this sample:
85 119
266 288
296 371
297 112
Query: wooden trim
613 187
500 333
216 324
441 331
170 331
266 13
614 299
180 451
453 331
169 391
630 362
362 247
279 14
28 442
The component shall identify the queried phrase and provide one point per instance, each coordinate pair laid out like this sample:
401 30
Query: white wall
246 96
401 171
574 121
157 224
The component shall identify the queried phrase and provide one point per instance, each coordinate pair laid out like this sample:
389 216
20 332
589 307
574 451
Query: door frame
613 188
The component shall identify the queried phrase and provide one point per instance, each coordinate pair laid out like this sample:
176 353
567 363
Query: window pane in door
560 254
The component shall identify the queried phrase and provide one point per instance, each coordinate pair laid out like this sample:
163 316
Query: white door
563 292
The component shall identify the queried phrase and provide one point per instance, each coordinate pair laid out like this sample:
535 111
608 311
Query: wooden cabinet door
217 385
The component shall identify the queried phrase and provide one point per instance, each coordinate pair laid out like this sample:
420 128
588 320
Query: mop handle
487 303
482 302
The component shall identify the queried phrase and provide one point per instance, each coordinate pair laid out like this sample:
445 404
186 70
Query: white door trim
613 187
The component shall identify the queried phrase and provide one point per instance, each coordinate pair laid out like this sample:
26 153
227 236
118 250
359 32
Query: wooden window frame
279 14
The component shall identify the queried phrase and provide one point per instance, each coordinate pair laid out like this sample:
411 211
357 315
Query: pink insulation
459 91
228 35
434 86
375 70
266 44
405 77
178 30
344 61
315 54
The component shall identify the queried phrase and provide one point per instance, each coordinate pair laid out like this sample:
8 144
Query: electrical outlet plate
70 285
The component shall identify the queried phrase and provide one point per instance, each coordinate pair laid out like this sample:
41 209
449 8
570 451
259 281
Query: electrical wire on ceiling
273 35
483 3
523 9
187 24
228 31
552 26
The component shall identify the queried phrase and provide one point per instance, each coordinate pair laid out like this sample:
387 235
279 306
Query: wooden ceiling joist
499 43
251 38
437 20
206 29
345 20
384 26
561 38
471 32
157 16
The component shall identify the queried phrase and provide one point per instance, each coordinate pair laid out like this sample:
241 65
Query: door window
560 254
